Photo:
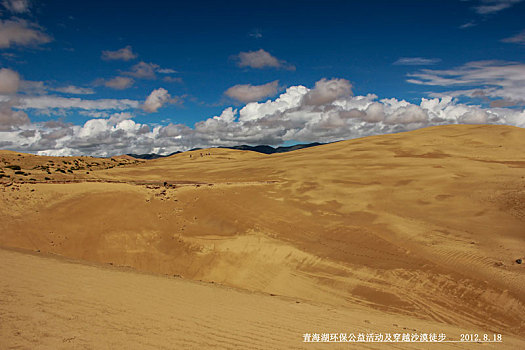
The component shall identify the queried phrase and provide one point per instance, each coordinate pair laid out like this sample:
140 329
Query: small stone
519 261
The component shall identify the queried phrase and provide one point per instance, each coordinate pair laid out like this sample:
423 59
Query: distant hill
150 155
260 149
269 149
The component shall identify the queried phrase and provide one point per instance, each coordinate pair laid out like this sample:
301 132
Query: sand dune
422 226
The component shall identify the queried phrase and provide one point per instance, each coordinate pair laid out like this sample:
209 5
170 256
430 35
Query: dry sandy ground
426 224
32 168
50 303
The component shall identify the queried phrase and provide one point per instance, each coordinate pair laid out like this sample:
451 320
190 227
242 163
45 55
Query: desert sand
416 230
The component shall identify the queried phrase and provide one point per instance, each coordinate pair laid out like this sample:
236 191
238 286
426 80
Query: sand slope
423 224
57 304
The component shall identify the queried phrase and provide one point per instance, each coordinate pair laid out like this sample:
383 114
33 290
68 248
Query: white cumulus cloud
327 91
336 114
156 99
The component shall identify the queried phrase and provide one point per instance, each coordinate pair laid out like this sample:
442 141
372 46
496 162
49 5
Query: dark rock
519 261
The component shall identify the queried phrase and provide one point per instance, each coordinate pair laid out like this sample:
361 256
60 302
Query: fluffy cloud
124 54
407 115
249 93
119 83
97 136
474 116
416 61
9 81
326 91
289 100
21 32
374 113
335 115
495 79
261 59
156 99
16 6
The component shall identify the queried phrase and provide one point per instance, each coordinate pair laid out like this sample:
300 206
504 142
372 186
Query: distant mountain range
261 149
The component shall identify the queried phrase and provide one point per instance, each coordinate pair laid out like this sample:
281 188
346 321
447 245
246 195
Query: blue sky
92 77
